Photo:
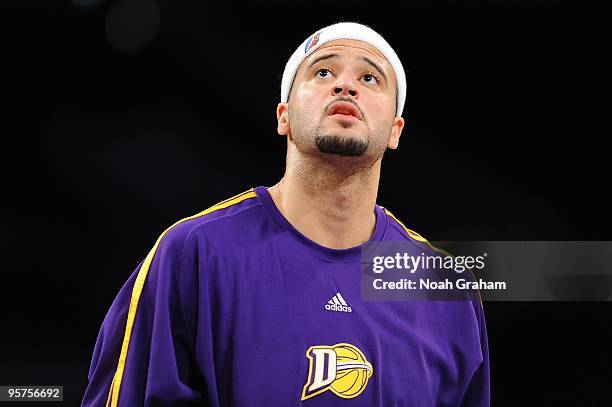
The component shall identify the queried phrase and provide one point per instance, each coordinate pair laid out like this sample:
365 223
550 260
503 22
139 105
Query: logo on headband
312 41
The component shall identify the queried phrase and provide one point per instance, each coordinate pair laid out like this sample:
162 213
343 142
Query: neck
330 203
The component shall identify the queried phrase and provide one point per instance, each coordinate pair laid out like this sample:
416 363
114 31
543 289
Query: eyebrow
379 69
321 58
366 59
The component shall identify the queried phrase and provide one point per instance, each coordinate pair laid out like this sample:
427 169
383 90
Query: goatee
345 146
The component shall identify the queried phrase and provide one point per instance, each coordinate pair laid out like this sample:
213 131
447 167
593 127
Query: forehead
351 48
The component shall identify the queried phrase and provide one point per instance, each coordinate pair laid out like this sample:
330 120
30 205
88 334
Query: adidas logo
337 303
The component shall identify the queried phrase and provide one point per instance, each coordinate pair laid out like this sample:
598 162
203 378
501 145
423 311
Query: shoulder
418 240
176 250
225 216
401 232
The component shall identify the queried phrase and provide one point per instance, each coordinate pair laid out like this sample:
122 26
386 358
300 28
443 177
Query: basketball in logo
341 368
352 371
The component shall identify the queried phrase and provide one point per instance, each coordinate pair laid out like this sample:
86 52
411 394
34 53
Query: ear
282 117
396 132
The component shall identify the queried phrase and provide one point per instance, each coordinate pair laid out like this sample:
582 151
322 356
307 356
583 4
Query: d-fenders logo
341 368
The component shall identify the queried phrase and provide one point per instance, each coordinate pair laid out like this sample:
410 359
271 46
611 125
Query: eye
370 78
322 73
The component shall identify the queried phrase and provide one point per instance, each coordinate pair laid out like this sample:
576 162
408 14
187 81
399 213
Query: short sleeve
144 353
478 393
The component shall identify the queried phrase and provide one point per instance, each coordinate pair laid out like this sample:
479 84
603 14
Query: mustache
345 99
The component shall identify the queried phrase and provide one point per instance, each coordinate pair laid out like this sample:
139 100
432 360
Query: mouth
344 110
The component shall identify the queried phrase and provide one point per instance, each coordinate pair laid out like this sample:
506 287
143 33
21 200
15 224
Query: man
256 300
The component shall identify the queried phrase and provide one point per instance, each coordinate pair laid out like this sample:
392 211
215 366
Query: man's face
343 102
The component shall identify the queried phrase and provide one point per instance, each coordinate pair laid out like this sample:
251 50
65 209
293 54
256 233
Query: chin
341 144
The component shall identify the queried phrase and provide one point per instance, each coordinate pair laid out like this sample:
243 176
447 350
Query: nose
345 86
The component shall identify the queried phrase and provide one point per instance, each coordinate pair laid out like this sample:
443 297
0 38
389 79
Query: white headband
348 31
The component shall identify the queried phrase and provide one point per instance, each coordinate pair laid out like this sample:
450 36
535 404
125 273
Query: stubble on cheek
304 119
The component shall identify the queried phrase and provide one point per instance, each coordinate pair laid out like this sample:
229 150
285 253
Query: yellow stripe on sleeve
137 290
416 236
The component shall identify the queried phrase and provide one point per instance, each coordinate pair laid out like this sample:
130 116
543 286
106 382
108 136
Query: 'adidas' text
337 303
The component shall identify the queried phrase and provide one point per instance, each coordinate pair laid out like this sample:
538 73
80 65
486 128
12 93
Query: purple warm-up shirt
235 307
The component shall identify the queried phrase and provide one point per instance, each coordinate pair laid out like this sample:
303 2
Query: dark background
122 117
